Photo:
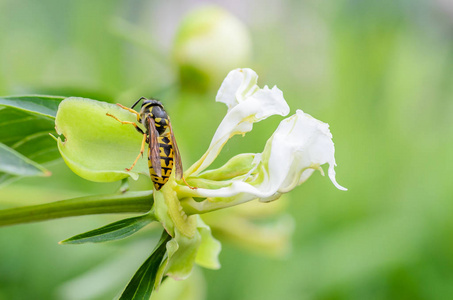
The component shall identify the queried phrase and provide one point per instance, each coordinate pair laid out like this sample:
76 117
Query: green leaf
95 146
114 231
6 178
37 104
141 285
17 125
25 124
12 162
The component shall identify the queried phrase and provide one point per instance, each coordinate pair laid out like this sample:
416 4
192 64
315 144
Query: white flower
298 147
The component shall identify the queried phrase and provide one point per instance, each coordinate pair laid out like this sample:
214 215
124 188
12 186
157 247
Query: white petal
331 174
300 145
238 85
247 104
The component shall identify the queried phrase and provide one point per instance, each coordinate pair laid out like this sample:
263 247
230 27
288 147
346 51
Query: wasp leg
142 149
127 122
190 187
130 110
145 137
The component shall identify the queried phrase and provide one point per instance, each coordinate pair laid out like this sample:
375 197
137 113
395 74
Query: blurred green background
379 72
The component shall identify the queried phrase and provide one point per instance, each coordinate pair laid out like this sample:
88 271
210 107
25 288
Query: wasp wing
178 163
154 155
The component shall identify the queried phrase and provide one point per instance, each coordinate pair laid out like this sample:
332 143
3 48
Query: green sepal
238 165
202 183
95 146
182 260
142 283
183 252
169 212
114 231
209 250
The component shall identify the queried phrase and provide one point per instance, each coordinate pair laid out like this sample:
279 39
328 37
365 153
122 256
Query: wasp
163 152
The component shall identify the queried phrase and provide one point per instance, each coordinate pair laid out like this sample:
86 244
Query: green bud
209 43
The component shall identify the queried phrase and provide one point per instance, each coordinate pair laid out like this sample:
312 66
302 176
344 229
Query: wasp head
155 109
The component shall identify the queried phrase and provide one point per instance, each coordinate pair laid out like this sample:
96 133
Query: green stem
129 202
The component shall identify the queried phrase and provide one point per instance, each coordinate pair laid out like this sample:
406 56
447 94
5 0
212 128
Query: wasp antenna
141 98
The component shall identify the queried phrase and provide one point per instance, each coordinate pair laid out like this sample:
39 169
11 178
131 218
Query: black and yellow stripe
166 161
158 133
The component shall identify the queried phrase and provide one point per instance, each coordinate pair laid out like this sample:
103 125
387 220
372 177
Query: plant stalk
130 202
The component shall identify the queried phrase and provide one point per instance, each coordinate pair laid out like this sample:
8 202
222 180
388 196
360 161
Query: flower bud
209 43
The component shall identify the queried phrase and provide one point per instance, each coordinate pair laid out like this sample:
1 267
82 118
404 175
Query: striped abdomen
166 161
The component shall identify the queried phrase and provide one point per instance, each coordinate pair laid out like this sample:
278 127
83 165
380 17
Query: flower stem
129 202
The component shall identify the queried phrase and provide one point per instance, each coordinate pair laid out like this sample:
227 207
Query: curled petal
247 104
237 86
300 145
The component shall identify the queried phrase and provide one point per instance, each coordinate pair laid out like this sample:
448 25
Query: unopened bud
209 43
